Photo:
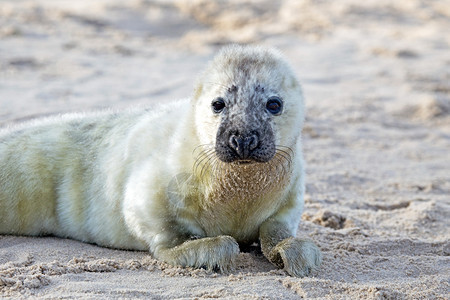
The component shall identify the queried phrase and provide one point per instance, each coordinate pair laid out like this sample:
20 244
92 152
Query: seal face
245 132
189 182
253 102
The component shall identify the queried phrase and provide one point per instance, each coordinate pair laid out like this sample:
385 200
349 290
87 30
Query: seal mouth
244 162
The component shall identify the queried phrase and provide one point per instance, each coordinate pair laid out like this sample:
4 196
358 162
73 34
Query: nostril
243 145
234 142
252 142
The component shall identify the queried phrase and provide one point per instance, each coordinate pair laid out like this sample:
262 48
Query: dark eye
274 105
218 105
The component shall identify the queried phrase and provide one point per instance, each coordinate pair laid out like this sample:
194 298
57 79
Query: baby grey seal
189 181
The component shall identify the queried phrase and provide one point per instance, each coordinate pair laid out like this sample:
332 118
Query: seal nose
243 145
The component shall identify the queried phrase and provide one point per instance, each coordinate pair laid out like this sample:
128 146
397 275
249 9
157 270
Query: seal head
248 95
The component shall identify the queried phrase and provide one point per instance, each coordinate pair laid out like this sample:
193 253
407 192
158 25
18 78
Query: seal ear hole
274 105
218 105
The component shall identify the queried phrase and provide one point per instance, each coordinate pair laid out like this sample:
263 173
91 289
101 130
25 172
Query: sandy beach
376 79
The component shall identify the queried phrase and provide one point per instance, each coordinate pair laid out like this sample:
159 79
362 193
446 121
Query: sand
376 77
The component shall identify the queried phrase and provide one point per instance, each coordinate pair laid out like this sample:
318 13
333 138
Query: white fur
104 178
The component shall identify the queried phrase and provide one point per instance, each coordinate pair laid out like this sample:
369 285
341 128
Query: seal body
189 181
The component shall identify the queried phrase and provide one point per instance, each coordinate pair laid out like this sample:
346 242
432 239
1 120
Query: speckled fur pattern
152 180
246 117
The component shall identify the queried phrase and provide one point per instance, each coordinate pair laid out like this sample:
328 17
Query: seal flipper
213 253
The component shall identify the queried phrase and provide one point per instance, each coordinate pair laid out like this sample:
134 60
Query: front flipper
298 257
211 253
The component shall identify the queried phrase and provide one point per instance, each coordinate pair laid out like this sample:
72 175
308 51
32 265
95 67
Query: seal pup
188 181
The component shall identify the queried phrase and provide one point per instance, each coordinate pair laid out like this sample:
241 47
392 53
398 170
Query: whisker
201 158
218 84
278 163
229 76
207 163
285 156
203 145
217 170
283 159
287 149
202 163
205 152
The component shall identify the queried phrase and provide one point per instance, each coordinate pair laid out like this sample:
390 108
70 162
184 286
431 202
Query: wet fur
151 180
